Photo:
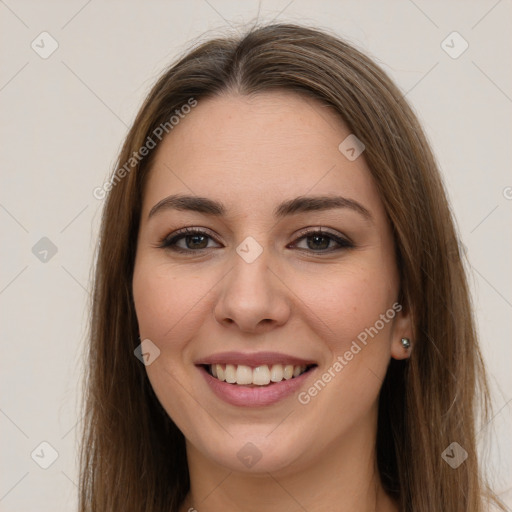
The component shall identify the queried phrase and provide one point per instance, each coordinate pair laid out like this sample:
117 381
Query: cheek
359 308
349 303
167 309
166 303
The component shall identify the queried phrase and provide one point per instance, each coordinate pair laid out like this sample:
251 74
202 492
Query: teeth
276 374
243 374
288 372
259 376
230 373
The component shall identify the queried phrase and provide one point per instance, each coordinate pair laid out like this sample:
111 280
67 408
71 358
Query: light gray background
64 118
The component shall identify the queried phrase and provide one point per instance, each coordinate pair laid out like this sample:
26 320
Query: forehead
259 149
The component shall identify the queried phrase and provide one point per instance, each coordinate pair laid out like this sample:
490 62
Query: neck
344 477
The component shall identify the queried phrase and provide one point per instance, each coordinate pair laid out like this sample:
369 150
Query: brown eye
187 240
318 241
322 241
196 241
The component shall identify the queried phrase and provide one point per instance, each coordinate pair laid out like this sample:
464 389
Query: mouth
255 380
259 376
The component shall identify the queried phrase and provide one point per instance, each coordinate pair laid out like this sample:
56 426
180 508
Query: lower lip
243 396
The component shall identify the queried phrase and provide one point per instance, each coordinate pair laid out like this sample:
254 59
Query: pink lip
257 396
253 360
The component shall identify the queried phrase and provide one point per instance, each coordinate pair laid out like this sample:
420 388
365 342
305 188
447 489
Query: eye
187 240
319 240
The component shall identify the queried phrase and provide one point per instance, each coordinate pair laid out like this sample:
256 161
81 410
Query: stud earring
406 343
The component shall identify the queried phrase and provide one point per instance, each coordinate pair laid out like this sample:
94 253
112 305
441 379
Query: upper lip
253 360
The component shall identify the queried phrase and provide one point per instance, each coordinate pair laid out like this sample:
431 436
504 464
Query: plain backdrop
64 117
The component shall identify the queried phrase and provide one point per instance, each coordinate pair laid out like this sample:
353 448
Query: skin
252 153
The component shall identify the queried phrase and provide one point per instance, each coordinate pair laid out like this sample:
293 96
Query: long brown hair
133 456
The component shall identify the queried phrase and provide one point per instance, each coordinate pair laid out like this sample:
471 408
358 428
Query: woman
281 319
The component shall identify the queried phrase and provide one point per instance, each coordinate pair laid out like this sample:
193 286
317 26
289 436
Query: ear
402 330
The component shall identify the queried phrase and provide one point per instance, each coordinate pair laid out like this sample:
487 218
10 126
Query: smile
257 379
259 376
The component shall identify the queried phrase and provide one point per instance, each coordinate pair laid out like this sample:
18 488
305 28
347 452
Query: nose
253 297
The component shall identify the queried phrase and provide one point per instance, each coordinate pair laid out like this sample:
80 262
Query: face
292 301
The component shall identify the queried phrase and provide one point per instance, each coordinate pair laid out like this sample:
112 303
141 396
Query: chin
254 452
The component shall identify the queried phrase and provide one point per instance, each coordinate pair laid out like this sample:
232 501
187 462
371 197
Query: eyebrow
298 205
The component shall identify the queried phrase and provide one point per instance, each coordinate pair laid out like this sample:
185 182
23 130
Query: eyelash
169 242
